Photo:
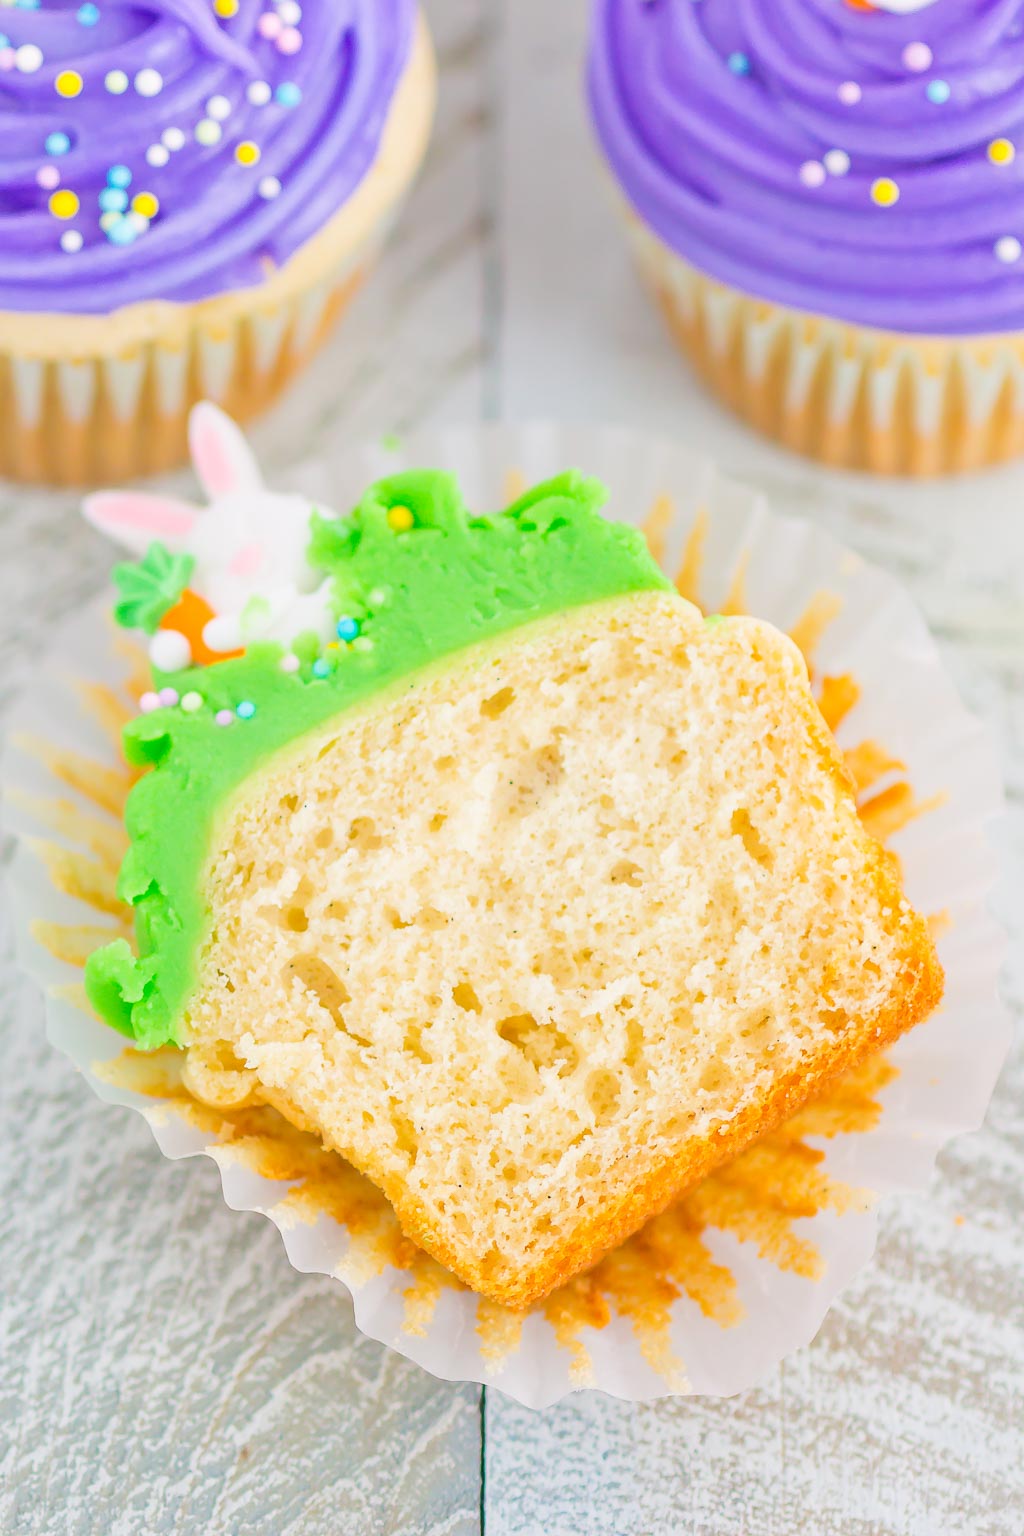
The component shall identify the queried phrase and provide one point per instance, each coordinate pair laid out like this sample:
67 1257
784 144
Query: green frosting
415 594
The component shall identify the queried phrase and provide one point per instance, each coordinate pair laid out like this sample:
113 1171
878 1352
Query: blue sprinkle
738 63
56 143
113 200
119 176
88 14
245 710
27 5
938 91
347 628
5 41
321 668
288 93
122 233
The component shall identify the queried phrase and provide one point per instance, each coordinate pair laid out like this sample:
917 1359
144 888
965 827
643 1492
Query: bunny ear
223 459
135 519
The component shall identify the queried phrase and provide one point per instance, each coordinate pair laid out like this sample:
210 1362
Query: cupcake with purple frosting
827 197
190 191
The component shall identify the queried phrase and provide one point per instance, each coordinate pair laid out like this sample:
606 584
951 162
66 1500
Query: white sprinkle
290 12
191 701
157 155
108 219
138 221
1008 249
169 650
149 82
207 131
837 162
812 173
269 187
289 663
258 93
116 82
174 138
218 107
71 241
28 58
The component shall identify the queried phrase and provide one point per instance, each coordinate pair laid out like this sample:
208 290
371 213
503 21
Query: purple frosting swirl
759 138
168 91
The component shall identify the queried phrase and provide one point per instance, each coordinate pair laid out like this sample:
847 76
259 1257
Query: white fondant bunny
249 545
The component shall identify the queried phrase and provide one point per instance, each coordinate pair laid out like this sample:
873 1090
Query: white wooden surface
162 1369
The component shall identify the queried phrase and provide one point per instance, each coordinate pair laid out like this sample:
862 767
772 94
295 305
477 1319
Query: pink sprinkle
290 40
149 702
6 58
168 697
917 56
812 173
223 717
269 24
849 93
48 176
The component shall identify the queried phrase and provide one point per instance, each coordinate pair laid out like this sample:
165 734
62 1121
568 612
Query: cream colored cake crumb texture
540 938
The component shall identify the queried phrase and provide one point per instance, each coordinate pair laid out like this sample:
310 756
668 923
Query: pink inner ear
213 462
160 519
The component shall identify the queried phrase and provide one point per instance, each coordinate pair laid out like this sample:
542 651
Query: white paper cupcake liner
944 1070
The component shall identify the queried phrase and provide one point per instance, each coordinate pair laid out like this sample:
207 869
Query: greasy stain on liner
757 1197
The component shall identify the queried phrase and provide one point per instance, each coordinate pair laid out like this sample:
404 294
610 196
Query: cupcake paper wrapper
851 396
708 1297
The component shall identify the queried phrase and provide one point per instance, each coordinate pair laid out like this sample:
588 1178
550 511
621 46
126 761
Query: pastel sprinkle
849 93
28 58
938 91
224 717
1008 249
269 187
108 220
138 221
71 241
348 628
119 176
113 200
247 153
321 668
173 138
245 710
88 14
400 519
6 58
1001 152
191 701
225 9
289 663
812 173
56 143
288 94
68 83
116 81
918 57
258 93
218 107
290 12
121 231
362 643
48 177
168 697
157 155
837 162
64 204
149 82
149 702
270 25
146 204
290 41
884 192
208 131
738 63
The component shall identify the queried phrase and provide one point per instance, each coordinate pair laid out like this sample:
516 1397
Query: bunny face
249 546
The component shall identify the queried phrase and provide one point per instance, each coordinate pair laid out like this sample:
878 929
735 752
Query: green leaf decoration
147 588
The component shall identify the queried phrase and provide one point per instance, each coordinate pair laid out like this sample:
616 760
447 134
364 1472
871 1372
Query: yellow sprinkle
64 204
885 192
146 204
225 8
247 153
1001 152
400 519
68 83
332 645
